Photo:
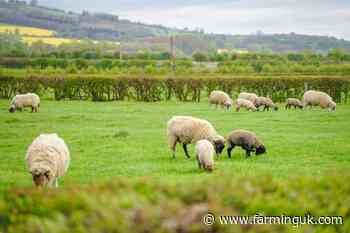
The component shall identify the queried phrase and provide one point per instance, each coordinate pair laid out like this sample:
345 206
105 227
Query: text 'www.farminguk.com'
258 219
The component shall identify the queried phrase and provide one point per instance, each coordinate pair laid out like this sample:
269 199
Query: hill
32 35
69 24
101 26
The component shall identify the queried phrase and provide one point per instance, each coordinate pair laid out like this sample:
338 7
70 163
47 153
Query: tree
199 57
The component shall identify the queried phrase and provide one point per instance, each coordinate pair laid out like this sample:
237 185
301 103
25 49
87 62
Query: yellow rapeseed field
26 31
48 40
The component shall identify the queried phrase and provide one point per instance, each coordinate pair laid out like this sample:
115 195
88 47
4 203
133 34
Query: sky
312 17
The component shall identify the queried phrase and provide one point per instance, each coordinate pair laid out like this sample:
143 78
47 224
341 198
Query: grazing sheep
47 159
26 100
266 102
248 96
220 98
293 102
205 155
187 130
247 104
318 98
245 139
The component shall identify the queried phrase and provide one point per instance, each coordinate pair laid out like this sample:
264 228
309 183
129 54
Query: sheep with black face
266 102
27 100
189 130
245 139
47 159
293 102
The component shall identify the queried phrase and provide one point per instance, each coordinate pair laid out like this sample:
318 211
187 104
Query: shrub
182 87
148 205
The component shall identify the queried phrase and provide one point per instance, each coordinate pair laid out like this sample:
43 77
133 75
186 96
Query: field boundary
162 88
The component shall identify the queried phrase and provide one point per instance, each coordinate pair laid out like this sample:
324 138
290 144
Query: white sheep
247 104
220 98
205 155
245 139
27 100
293 102
266 102
188 130
47 159
318 98
248 96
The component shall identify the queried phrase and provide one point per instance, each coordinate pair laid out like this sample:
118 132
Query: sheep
293 102
314 98
205 155
188 130
220 98
266 102
27 100
47 159
248 96
245 139
247 104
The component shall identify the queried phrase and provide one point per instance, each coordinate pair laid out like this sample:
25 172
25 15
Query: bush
145 205
182 87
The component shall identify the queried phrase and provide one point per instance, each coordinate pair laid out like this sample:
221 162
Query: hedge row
146 205
151 89
42 63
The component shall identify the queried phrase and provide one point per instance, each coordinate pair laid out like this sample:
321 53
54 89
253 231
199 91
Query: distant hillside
69 24
100 26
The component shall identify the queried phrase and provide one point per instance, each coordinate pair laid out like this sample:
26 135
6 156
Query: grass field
114 139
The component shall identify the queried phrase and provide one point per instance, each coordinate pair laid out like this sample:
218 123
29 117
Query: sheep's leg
184 145
199 163
32 109
172 142
229 150
247 149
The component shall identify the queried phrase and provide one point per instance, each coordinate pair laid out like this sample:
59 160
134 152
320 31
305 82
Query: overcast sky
317 17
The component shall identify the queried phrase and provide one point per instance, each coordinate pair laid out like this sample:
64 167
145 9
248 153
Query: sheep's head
332 106
41 177
219 144
209 168
228 104
12 109
260 150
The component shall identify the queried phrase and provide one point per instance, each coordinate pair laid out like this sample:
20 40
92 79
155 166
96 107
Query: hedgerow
146 205
159 88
